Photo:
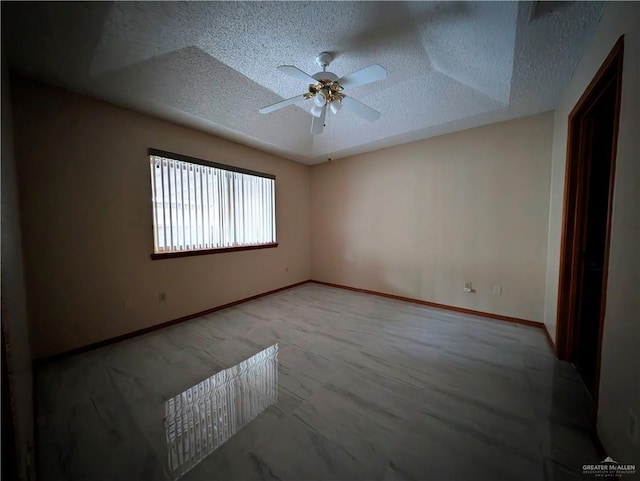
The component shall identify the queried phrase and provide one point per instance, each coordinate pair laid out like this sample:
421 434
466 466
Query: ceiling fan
325 88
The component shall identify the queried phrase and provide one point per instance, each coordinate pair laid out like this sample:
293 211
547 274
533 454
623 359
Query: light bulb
316 111
321 98
335 106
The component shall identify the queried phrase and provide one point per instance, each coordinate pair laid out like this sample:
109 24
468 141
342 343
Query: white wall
620 371
85 199
421 219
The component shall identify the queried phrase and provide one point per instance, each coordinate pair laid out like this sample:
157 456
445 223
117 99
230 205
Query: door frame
573 211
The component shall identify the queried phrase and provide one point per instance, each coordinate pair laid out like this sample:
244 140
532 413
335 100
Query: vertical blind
198 207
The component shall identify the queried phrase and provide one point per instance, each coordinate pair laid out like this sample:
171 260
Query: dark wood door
9 463
596 151
586 224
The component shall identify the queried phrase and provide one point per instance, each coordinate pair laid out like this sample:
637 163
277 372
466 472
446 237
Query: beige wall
14 303
421 219
85 198
620 371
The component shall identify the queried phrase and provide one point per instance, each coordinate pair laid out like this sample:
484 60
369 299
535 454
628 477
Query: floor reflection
203 417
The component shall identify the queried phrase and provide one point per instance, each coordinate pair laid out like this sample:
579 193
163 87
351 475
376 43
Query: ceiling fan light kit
321 97
316 111
325 88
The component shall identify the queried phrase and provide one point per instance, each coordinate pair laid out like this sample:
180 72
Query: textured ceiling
212 65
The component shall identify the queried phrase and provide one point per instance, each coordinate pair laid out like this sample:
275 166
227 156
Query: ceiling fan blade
317 124
360 109
296 73
364 76
281 104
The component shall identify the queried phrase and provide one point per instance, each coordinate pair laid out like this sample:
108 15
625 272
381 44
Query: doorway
591 153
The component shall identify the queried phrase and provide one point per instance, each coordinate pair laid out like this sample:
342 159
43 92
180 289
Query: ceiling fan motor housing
325 76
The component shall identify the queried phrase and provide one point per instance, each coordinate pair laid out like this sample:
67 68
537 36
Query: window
201 207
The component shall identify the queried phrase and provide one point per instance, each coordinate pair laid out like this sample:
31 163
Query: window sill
204 252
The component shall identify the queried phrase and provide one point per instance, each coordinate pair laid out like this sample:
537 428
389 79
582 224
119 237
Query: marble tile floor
367 388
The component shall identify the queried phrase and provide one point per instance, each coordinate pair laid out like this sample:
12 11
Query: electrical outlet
162 296
632 429
468 287
497 289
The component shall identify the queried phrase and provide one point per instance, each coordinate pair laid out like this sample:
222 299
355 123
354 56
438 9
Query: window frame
231 168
